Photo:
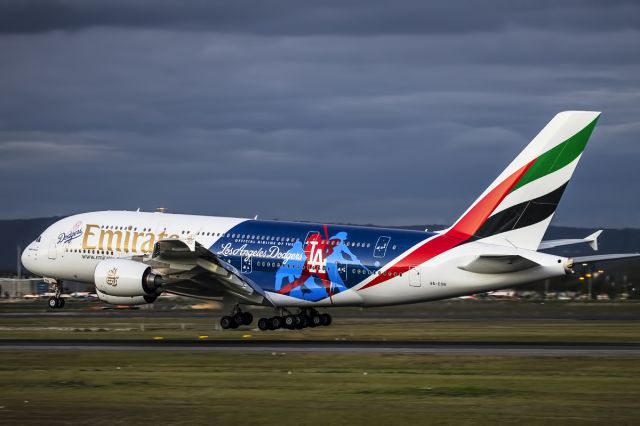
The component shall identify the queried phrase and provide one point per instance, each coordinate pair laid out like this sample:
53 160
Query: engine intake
126 278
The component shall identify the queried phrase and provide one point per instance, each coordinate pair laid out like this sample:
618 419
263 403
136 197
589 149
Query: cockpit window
39 238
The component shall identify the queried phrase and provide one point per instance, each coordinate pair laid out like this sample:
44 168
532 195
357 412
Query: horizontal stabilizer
498 264
602 258
592 240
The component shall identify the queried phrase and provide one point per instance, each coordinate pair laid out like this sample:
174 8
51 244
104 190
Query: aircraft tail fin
518 206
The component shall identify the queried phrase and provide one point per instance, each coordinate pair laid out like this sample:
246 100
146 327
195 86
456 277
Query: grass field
298 389
130 387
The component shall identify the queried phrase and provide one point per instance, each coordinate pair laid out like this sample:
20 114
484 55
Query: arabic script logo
112 277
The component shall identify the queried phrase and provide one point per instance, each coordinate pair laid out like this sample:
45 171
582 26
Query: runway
553 349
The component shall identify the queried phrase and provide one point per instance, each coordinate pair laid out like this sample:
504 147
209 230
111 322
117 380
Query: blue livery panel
311 261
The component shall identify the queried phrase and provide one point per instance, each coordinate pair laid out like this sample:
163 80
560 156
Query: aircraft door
415 279
53 249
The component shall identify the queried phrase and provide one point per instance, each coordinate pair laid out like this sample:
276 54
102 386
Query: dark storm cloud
295 17
379 112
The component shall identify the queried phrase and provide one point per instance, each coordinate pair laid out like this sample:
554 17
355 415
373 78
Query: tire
61 303
53 303
289 322
325 319
247 318
238 318
275 323
226 322
297 322
263 324
316 320
304 321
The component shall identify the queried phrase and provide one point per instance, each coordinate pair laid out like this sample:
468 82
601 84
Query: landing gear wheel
263 324
275 323
226 322
60 303
247 318
304 321
290 322
238 318
298 325
316 321
53 302
325 319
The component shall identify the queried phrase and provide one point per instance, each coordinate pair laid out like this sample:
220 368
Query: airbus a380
299 268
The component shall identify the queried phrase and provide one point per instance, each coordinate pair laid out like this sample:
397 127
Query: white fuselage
356 266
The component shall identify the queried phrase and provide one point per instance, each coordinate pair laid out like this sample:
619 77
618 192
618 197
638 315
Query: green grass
112 388
389 329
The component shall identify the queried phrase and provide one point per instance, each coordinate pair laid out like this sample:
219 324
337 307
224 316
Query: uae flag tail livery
516 209
299 269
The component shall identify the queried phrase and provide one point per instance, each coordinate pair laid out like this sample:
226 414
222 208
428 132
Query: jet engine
126 278
124 300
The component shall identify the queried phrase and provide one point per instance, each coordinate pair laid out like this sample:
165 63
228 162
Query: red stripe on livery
460 232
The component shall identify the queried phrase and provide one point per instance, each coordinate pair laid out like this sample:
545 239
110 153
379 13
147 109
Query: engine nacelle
124 300
126 278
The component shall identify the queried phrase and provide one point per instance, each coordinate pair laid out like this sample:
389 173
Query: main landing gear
236 319
306 317
55 302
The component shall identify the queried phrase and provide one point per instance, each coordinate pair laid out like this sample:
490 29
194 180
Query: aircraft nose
27 262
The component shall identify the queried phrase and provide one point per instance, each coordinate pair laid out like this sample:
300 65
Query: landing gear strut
55 302
236 319
306 317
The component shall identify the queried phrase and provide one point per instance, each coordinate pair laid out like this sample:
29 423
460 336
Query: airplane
300 268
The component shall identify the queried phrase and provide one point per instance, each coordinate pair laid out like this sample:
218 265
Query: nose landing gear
55 302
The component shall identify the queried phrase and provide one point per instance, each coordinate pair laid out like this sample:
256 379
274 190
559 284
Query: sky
369 112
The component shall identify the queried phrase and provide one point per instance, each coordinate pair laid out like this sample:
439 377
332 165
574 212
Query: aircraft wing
592 240
498 264
190 269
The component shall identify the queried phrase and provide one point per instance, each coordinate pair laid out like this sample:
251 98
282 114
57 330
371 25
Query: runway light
581 278
246 336
588 275
158 338
203 337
